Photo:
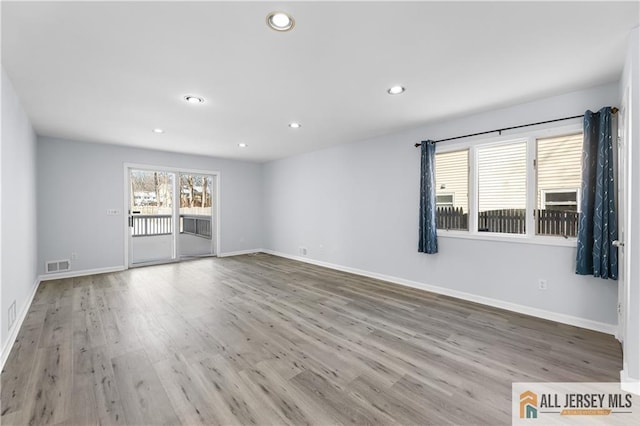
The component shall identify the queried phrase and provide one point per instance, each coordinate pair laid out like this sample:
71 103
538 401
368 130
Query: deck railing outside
196 225
162 224
151 225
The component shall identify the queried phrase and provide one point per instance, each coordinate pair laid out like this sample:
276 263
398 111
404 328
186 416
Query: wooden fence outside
452 218
513 221
557 222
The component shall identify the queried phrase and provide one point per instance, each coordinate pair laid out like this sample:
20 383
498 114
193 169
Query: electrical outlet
74 256
113 212
542 284
12 314
303 251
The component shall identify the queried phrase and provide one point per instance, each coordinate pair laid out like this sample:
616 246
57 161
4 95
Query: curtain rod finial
614 110
418 144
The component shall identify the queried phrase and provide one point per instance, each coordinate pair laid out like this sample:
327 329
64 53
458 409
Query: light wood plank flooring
261 340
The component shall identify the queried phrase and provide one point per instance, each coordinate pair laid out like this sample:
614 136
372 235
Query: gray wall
78 182
18 207
356 206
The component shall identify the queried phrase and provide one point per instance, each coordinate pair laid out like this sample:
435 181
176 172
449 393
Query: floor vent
57 266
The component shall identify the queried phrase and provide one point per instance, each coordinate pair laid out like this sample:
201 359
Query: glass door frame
215 212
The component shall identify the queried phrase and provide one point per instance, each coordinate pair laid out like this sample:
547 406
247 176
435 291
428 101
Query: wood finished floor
263 340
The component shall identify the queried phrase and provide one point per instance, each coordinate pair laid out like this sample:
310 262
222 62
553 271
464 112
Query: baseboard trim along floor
496 303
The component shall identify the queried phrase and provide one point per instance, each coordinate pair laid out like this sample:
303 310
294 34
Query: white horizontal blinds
452 179
502 188
559 167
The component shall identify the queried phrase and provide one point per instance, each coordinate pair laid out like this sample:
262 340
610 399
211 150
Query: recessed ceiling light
158 131
280 21
395 90
295 125
243 145
193 99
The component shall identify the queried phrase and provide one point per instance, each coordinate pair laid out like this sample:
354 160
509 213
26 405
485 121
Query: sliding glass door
172 215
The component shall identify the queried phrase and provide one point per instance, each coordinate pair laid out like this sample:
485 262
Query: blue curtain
428 239
597 226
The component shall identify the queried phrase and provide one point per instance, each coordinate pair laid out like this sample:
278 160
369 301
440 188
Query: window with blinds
528 185
558 174
502 188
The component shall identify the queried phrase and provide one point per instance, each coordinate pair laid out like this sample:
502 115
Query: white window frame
530 135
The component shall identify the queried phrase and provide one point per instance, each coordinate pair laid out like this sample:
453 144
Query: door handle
617 243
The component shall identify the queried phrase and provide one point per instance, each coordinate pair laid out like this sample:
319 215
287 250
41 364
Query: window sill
509 238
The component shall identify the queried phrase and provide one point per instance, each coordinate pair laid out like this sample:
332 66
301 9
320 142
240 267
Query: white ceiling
111 72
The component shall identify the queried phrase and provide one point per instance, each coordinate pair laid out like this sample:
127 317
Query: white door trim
622 197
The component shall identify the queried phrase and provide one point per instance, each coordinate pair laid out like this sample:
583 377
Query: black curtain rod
613 110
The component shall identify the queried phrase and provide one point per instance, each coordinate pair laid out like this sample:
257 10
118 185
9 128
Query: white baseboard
8 344
240 252
628 384
81 273
496 303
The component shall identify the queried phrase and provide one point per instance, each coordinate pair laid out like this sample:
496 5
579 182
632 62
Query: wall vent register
52 266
